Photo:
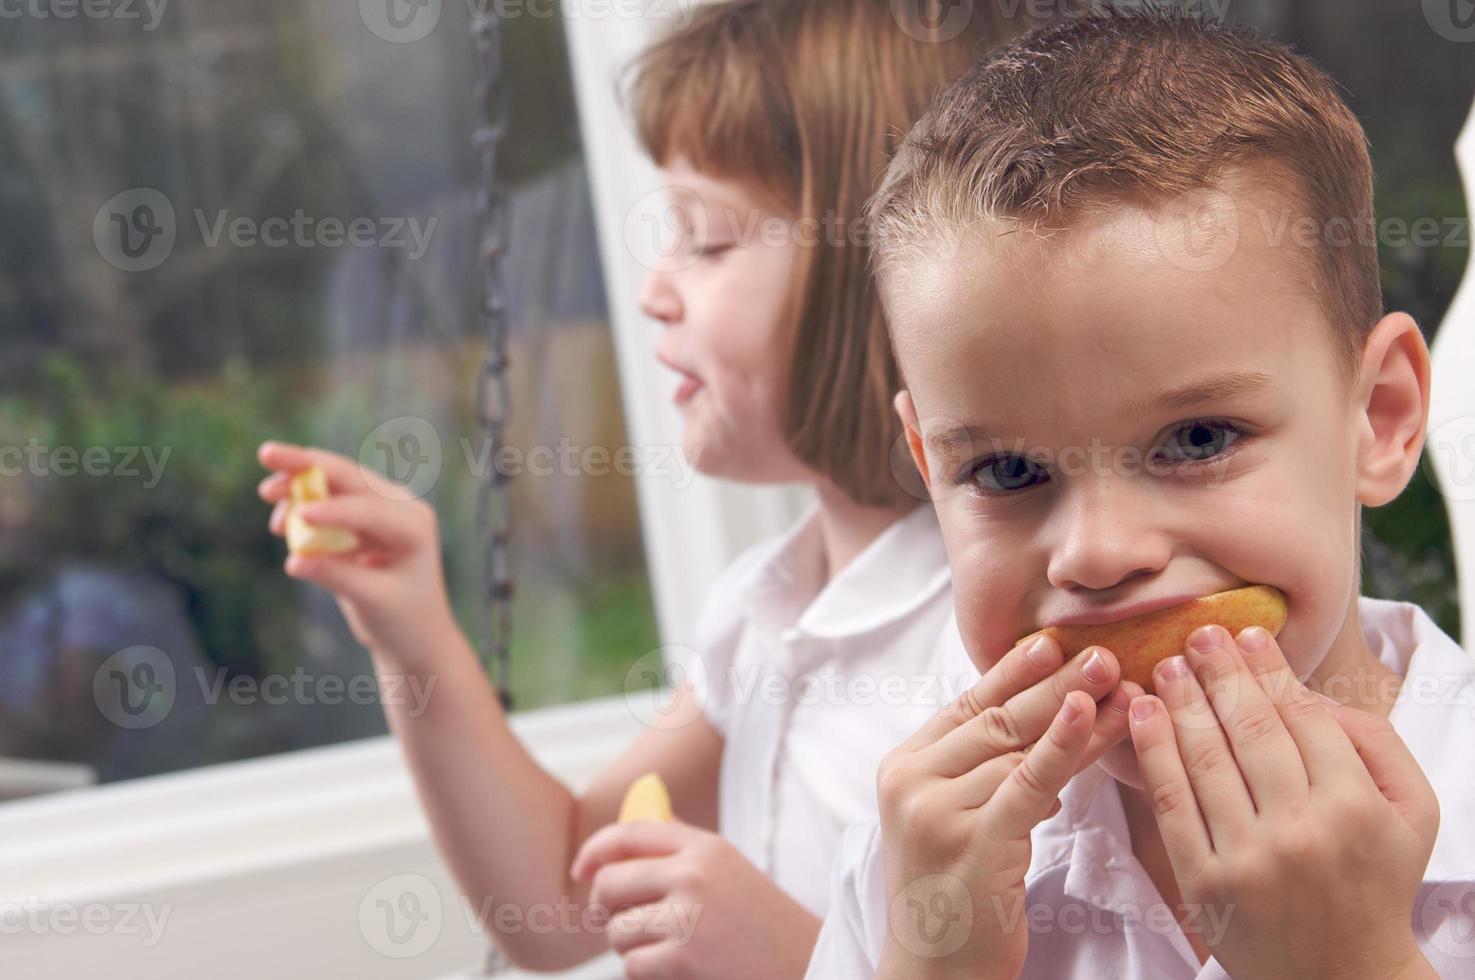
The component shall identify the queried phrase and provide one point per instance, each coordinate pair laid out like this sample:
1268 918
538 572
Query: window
231 222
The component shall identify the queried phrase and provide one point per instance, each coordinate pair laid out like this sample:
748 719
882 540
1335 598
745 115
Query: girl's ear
1394 392
908 413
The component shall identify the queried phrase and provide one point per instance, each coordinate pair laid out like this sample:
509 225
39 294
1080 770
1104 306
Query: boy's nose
658 300
1106 534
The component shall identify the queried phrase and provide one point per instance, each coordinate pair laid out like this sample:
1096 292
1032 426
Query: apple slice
646 799
306 487
1141 642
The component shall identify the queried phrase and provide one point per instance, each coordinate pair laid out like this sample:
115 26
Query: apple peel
1140 643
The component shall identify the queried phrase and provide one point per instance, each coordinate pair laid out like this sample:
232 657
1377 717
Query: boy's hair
804 101
1139 106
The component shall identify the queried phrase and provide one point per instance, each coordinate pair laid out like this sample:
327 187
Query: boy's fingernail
1142 708
1254 639
1094 668
1039 651
1174 668
1207 639
1071 709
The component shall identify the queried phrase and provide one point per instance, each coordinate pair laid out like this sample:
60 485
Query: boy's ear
908 414
1394 393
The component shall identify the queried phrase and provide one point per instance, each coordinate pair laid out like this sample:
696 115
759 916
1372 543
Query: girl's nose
658 300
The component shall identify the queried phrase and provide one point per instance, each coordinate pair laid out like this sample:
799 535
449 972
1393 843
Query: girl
761 114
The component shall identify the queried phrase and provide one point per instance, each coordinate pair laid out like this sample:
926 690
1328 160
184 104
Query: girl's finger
277 522
273 487
633 929
622 841
338 574
1017 670
344 475
1179 820
1023 719
635 881
1265 752
1026 797
1326 753
1223 797
392 525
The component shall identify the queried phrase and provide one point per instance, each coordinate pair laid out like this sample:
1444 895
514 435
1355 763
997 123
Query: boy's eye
1005 474
1198 441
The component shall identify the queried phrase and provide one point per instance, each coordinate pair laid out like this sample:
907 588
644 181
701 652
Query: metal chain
494 511
494 507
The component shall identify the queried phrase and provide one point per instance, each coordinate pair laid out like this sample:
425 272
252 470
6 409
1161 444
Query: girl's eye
1198 441
1006 474
710 251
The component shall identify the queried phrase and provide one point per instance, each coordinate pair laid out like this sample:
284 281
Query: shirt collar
1435 717
902 569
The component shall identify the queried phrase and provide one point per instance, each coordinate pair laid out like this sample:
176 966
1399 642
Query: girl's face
719 290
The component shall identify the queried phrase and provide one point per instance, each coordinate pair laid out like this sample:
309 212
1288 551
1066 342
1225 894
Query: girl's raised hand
960 797
392 589
1306 824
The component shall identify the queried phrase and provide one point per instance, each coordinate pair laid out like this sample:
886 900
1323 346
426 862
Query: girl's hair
804 102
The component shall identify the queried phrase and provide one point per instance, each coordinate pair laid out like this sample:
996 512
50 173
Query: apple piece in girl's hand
646 799
1141 642
306 487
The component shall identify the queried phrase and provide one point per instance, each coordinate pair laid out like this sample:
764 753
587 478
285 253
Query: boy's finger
1026 797
1393 768
974 789
1217 782
1325 750
1021 667
1023 718
1185 835
1265 752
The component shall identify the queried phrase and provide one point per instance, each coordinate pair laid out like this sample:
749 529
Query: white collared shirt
811 686
1091 908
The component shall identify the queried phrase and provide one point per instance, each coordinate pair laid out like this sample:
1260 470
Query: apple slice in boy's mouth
1141 642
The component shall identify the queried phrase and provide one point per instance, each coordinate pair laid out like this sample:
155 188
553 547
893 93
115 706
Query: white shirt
1094 913
811 686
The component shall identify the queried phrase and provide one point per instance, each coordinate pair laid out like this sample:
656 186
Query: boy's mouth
1144 639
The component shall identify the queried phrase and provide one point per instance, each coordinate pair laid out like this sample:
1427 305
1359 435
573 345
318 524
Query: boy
1133 378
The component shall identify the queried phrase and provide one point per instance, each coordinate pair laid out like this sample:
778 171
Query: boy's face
1066 352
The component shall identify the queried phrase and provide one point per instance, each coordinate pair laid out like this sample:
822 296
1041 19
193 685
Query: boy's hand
960 797
1308 824
391 590
682 902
